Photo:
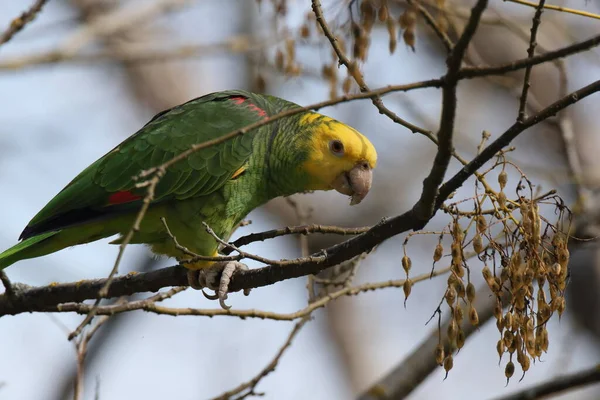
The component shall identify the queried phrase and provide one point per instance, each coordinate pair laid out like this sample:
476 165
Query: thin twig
103 292
558 8
8 288
440 33
475 72
425 207
19 23
81 347
354 71
537 20
244 254
251 384
291 230
414 369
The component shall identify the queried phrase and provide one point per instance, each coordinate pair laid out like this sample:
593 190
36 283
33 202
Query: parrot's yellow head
339 157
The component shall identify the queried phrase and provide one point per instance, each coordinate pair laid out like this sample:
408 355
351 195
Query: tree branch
557 384
413 370
43 298
424 209
475 72
19 23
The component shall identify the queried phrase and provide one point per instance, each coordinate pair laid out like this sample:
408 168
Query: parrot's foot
206 278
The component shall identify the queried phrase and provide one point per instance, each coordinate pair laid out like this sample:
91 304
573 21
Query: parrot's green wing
106 187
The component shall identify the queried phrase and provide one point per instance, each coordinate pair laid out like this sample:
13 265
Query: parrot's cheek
355 183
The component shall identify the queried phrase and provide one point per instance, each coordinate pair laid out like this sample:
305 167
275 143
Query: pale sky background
57 119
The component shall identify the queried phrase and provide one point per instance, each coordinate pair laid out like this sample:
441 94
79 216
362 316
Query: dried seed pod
470 292
368 15
409 38
460 339
494 284
347 85
481 224
391 28
525 364
502 179
439 354
560 305
452 330
279 60
509 371
304 31
501 200
487 273
508 338
500 325
500 349
457 231
498 310
545 340
290 49
450 296
460 289
328 71
407 286
457 313
448 364
544 313
478 244
383 12
456 252
504 274
452 279
261 83
508 320
459 270
406 263
473 317
438 252
407 19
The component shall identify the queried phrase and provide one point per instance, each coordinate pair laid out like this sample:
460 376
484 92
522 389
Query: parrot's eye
336 147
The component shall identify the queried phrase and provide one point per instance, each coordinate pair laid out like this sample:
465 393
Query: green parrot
217 185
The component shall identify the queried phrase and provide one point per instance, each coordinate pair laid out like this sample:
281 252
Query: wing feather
166 135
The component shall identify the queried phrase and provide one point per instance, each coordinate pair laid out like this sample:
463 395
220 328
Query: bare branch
558 8
251 385
537 20
19 23
557 384
8 288
414 369
474 72
424 208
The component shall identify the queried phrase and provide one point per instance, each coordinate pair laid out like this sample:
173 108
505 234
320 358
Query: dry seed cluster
354 37
525 265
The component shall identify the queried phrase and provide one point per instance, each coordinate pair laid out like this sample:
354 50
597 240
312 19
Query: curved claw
222 303
221 271
210 296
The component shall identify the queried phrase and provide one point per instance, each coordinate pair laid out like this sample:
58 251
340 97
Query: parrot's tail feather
28 248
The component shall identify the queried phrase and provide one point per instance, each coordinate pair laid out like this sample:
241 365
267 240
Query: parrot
217 185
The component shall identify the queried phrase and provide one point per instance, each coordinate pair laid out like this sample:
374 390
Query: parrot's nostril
364 165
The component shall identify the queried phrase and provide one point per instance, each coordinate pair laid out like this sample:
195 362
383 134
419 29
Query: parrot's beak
355 183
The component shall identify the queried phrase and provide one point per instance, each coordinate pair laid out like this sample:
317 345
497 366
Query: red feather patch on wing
122 197
239 100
